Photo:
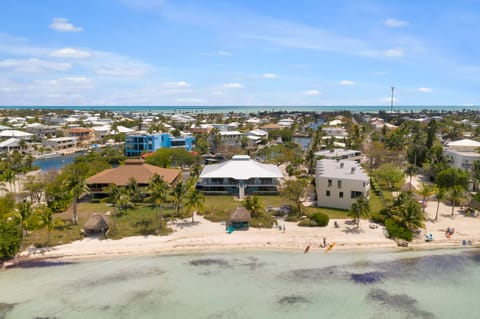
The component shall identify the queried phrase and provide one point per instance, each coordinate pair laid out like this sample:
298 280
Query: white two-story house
339 183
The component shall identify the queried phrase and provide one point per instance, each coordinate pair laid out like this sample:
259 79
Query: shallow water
438 284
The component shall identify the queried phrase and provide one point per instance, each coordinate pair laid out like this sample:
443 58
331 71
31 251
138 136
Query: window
340 194
328 193
339 184
354 194
329 183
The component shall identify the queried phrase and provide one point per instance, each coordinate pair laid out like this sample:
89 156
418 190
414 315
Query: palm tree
426 191
439 194
158 192
410 172
360 208
194 202
75 183
410 215
254 206
25 212
114 194
48 220
133 189
454 195
178 192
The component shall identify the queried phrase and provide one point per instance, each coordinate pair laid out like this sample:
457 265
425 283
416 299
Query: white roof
11 142
62 139
241 167
344 169
123 129
230 133
258 132
14 133
464 142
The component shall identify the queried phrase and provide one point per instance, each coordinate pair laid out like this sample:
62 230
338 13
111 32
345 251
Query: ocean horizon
246 109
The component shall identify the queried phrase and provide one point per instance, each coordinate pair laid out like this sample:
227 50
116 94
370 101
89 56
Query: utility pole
391 100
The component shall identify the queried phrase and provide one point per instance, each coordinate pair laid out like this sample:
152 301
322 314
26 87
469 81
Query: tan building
60 143
84 135
133 168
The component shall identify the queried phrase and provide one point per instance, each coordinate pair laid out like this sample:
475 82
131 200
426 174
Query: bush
397 231
377 217
315 220
320 219
10 238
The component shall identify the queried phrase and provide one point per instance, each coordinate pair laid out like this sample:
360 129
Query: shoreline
207 237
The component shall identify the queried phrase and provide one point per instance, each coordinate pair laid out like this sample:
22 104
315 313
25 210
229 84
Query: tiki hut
96 224
240 218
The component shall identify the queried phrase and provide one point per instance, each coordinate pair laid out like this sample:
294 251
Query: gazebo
96 224
240 218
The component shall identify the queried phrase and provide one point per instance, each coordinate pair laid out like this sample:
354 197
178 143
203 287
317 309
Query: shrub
377 217
320 219
397 231
10 238
315 220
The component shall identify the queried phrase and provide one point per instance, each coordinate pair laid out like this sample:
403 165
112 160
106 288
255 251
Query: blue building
137 144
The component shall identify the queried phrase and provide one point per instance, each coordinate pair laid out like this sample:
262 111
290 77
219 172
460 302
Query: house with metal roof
240 176
339 183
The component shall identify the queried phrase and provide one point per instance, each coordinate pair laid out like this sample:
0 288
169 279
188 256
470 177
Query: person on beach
324 242
306 249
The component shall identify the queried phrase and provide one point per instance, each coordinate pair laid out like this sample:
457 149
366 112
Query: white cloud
347 83
34 65
177 85
232 86
395 23
393 52
120 71
70 53
270 75
68 82
63 25
424 90
312 92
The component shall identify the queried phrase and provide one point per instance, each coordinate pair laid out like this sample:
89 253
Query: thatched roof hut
96 224
240 215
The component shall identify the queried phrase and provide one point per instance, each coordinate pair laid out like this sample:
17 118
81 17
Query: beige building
60 143
339 183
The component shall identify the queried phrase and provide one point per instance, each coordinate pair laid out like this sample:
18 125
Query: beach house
462 154
138 143
339 183
240 176
133 168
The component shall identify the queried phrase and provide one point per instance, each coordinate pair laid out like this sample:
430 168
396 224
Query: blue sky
274 53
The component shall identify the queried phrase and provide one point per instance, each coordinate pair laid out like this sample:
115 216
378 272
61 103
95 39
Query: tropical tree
157 194
75 184
451 177
294 191
114 195
46 217
361 208
410 215
35 187
178 193
25 212
254 206
133 190
439 194
426 191
194 201
389 175
454 195
411 171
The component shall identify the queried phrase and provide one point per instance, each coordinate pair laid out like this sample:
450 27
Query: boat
330 247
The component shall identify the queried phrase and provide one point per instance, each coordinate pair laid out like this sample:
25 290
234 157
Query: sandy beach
206 236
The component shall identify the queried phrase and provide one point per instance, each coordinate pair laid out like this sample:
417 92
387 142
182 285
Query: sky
249 52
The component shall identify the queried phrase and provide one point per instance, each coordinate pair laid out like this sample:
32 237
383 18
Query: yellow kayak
330 247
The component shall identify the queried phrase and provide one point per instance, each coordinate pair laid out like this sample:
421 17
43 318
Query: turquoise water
439 284
248 109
